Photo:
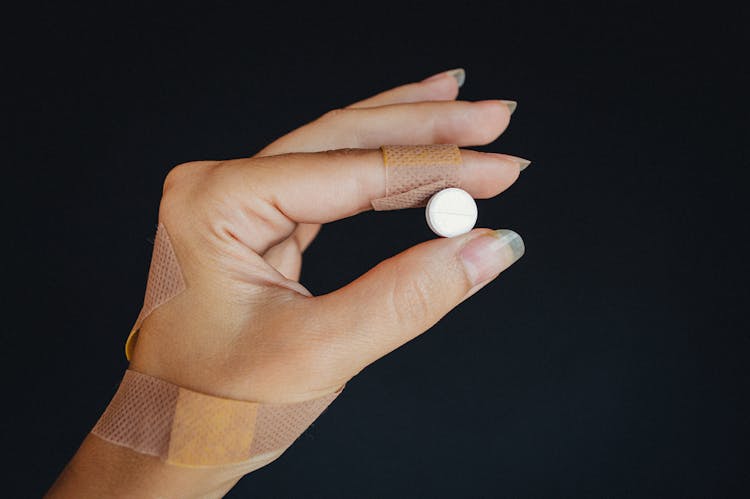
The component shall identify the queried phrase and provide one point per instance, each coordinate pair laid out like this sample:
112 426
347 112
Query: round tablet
451 212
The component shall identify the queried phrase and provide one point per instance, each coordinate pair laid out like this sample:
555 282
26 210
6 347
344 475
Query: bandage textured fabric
188 428
165 281
414 173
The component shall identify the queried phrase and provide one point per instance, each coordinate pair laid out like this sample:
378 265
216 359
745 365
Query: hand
245 328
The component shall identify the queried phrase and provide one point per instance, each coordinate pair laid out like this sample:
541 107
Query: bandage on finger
414 173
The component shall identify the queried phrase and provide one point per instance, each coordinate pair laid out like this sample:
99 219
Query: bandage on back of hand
187 428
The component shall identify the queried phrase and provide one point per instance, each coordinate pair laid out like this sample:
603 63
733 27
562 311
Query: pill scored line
451 212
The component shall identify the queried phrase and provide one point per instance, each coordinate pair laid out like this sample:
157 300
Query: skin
239 229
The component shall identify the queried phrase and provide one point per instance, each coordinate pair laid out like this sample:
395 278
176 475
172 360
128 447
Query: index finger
326 186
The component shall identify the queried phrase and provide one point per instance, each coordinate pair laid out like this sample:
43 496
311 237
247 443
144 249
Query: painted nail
522 163
512 105
459 74
485 256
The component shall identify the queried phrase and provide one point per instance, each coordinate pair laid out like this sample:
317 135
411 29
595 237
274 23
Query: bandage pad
165 281
188 428
414 173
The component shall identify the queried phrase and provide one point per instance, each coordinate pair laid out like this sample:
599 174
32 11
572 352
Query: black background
612 360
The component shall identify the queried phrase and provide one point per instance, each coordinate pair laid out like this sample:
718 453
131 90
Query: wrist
102 469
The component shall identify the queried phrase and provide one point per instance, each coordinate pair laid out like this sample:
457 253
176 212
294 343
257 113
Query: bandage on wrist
414 173
188 428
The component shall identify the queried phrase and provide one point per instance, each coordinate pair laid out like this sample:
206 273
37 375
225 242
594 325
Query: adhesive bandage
414 173
187 428
165 281
451 212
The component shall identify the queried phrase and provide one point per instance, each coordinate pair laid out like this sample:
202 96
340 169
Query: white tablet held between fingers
451 212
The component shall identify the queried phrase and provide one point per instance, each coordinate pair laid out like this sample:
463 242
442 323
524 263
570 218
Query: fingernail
522 163
485 256
512 105
459 74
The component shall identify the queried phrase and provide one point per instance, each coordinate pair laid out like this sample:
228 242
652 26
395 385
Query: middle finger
446 122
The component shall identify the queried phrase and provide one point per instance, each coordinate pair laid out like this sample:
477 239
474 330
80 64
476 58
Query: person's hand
245 328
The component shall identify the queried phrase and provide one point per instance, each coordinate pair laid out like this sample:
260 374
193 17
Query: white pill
451 212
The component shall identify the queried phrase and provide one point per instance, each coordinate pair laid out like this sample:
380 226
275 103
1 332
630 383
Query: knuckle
334 114
169 198
172 177
177 185
179 174
412 298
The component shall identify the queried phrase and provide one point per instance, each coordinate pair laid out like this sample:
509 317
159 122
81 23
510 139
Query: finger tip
488 174
493 119
442 87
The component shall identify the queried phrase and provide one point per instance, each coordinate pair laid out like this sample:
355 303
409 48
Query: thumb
405 295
